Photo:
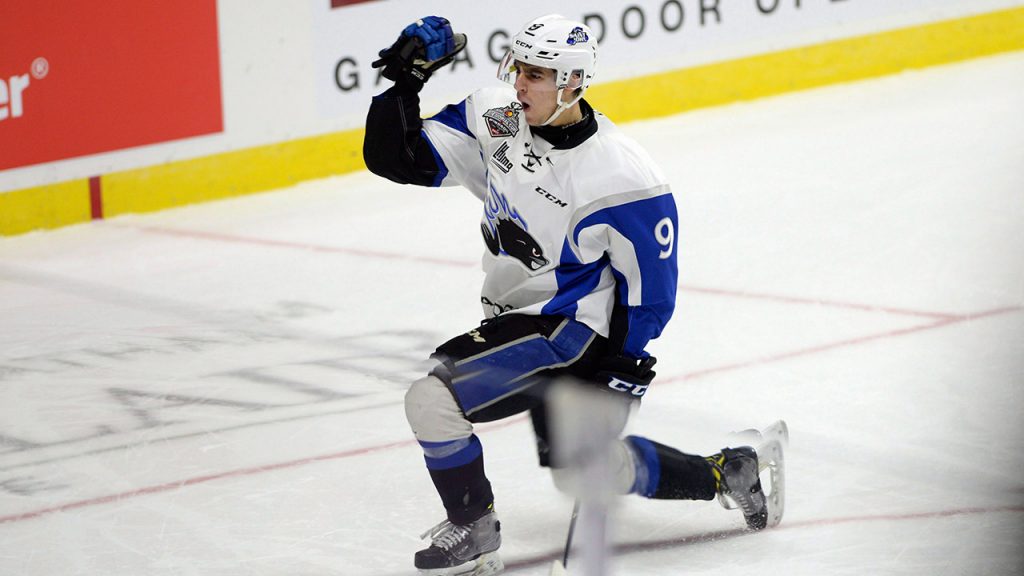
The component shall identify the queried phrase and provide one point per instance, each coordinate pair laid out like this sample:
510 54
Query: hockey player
580 261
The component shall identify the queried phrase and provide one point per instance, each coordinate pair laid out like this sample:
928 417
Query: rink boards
281 164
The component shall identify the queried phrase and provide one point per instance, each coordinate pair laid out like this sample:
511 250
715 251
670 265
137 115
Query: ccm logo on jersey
551 197
623 386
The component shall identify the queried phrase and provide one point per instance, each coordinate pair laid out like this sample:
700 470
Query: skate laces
446 535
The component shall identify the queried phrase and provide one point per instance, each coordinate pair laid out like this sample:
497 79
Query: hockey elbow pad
423 47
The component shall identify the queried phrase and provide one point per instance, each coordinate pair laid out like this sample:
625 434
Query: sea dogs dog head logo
503 121
505 232
577 36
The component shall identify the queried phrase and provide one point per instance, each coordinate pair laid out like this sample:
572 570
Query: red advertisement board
79 77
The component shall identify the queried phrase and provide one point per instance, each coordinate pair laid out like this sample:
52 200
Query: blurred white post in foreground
585 423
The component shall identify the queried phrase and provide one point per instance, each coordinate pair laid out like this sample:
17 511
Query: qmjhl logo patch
500 158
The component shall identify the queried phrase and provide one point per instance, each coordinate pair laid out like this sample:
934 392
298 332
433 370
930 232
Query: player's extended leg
653 470
666 473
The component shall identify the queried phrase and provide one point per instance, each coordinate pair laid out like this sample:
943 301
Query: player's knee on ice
433 413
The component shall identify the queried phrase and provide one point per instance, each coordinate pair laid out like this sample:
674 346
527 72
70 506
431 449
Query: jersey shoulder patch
497 112
503 121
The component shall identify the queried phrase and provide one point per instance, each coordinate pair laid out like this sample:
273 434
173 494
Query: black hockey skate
462 550
739 484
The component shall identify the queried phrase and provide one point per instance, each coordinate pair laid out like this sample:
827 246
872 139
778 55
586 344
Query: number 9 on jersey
664 233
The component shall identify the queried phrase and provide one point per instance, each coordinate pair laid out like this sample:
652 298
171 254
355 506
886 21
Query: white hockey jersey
570 232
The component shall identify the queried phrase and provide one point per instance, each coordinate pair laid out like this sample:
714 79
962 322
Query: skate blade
483 565
771 457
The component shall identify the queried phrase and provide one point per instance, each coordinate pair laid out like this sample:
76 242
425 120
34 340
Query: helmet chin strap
562 106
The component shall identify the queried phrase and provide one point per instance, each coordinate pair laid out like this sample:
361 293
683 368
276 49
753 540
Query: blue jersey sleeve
641 248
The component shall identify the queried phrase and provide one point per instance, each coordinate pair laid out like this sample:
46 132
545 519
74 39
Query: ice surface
217 389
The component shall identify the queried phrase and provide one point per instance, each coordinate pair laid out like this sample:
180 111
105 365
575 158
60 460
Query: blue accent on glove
421 49
436 34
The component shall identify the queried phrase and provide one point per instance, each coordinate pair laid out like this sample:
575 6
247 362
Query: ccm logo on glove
631 387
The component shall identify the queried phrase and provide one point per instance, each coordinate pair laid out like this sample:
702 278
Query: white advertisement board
637 37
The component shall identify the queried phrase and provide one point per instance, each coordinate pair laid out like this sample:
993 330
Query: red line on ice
198 480
815 302
302 246
212 236
222 475
840 344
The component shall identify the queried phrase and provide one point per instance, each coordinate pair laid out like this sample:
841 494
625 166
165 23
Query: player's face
535 89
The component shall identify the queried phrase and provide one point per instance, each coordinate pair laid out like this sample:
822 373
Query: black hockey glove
626 375
423 47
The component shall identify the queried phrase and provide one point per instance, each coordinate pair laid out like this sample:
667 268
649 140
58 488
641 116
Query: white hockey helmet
566 46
